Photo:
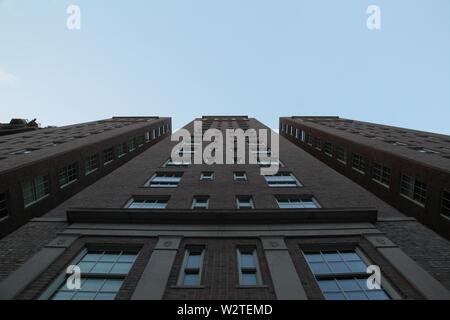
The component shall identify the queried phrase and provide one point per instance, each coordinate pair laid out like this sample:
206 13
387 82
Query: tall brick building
408 169
42 168
155 228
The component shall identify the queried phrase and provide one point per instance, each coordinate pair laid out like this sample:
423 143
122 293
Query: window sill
68 184
258 286
443 216
359 171
381 184
36 201
106 163
187 287
89 172
342 161
413 201
4 218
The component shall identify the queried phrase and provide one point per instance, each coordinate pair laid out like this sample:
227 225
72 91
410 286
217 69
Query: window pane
319 268
121 268
79 295
247 260
313 257
93 285
377 295
110 257
356 266
356 295
339 267
328 286
334 296
191 279
193 260
63 295
111 285
86 267
105 296
249 279
102 267
332 256
349 285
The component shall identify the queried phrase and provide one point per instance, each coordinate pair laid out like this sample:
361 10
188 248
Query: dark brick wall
425 167
295 246
429 250
220 278
39 164
19 246
144 245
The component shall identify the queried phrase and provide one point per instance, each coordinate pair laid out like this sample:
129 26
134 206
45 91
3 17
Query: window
328 149
381 174
132 144
140 140
170 163
207 176
445 211
244 202
317 143
200 202
358 163
154 203
68 174
413 189
121 149
35 190
341 154
147 136
341 275
3 206
309 139
165 180
191 271
282 179
102 274
91 164
240 176
249 274
296 202
108 155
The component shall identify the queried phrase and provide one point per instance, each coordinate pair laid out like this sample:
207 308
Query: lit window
244 202
413 189
102 276
108 156
191 271
207 176
240 176
68 174
381 174
358 163
35 190
249 274
341 154
91 164
165 180
341 275
296 202
445 211
282 179
200 202
153 203
3 206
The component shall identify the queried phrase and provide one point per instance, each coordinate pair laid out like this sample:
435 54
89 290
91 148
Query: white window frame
153 200
164 177
243 270
280 177
184 270
197 199
207 176
297 199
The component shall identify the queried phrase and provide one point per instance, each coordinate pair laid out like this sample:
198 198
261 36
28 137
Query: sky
262 58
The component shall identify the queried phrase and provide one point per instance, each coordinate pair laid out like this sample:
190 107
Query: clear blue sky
263 58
